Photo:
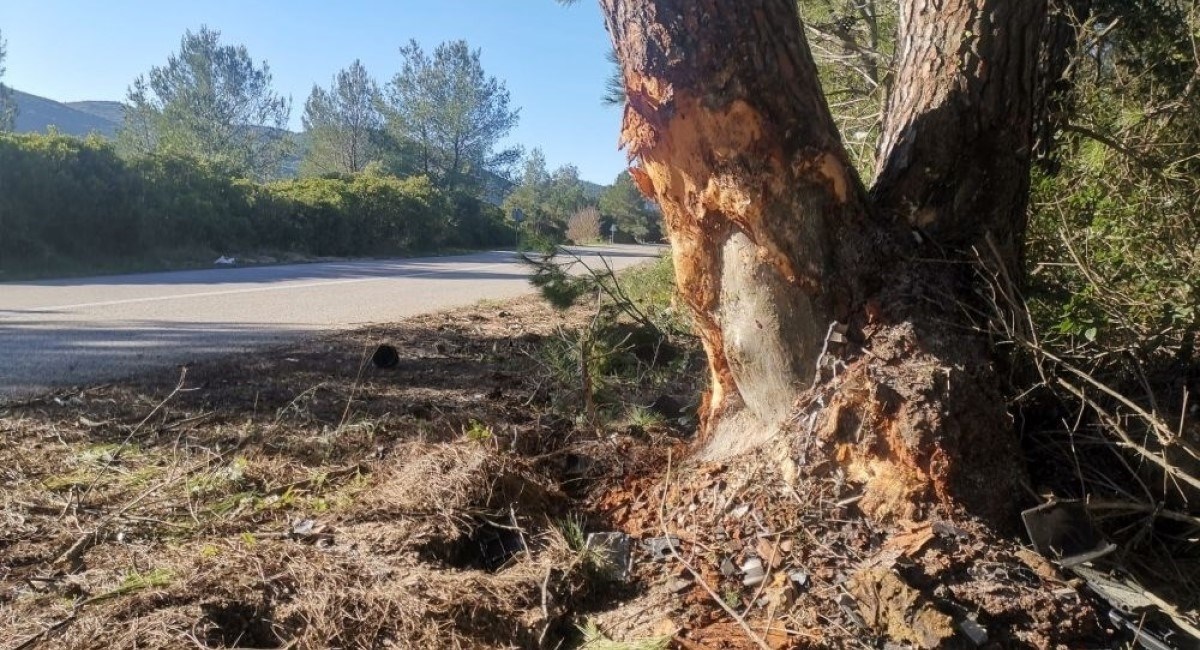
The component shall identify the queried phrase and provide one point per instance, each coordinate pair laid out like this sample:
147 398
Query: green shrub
69 204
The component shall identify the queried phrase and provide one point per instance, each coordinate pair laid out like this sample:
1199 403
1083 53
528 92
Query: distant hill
37 114
111 111
592 190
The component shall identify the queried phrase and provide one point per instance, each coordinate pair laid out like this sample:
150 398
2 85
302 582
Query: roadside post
518 216
612 234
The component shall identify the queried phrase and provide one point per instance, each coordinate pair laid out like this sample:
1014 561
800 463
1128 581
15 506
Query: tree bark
735 141
958 131
784 259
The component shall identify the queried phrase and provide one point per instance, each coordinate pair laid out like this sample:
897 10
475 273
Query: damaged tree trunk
783 256
733 137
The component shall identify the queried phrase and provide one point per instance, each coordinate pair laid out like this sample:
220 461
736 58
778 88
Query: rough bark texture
776 244
959 126
767 219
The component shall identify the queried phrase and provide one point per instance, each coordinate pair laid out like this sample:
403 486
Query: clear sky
551 57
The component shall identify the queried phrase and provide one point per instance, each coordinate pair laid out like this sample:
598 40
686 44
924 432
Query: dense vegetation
552 202
203 166
76 205
1112 259
1104 325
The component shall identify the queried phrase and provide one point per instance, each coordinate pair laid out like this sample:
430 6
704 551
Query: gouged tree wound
744 251
774 239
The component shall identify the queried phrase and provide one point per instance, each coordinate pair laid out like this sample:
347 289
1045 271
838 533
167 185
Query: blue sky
551 57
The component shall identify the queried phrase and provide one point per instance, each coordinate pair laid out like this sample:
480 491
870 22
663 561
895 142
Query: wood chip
912 541
769 551
891 607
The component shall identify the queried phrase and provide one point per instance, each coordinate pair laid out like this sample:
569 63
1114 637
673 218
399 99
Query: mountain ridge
107 110
38 114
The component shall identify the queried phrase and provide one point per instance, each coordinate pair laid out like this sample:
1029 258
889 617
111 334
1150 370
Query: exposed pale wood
775 239
768 220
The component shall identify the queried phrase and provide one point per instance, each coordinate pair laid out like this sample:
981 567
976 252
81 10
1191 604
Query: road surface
79 331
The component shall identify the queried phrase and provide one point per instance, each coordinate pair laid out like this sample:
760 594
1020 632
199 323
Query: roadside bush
1113 259
65 198
186 203
477 224
74 205
584 226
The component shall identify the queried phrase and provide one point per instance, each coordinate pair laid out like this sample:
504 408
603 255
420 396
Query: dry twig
662 522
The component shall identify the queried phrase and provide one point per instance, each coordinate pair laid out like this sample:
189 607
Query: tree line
436 128
77 205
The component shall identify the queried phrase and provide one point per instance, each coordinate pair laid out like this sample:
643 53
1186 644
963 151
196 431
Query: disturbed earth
326 494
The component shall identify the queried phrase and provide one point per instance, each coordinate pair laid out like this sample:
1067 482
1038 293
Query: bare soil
303 498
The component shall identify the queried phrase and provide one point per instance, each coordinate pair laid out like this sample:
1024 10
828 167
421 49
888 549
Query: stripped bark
735 141
776 241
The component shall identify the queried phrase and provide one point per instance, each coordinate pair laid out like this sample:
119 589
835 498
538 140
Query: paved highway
78 331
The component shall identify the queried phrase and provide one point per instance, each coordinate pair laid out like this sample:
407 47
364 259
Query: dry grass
300 498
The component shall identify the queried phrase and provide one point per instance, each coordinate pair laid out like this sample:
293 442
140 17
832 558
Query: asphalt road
80 331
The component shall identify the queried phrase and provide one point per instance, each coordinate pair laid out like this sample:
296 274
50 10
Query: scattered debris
973 631
1120 593
681 585
1144 635
1138 610
769 552
1063 530
615 550
308 530
753 572
413 536
498 545
799 579
947 529
224 261
232 489
893 608
911 541
850 608
660 548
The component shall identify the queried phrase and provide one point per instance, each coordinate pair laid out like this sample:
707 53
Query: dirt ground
304 498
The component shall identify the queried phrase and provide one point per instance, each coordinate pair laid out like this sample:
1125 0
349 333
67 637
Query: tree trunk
764 211
958 129
787 264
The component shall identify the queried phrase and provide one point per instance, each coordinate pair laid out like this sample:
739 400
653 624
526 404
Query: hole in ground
237 624
487 548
